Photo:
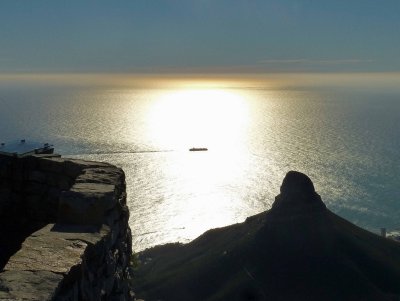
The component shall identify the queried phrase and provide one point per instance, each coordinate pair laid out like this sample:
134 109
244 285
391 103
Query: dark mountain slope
298 250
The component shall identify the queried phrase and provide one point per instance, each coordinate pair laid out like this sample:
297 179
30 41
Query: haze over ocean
341 130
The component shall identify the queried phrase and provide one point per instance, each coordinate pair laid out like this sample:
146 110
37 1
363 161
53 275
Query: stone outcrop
297 250
64 230
298 194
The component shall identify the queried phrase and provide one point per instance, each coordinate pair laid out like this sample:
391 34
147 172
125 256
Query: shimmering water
347 139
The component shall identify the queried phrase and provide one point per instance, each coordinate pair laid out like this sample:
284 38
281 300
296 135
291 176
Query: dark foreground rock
298 250
64 232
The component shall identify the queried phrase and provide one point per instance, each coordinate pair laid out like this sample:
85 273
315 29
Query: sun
198 117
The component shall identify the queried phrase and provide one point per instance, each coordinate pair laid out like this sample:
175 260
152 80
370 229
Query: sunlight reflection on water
177 194
346 142
214 118
254 137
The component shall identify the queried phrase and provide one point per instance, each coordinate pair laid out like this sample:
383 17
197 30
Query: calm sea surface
346 139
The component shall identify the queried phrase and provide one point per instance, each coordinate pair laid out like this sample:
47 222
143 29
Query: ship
198 149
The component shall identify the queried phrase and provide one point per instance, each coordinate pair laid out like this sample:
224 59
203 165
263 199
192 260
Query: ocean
343 131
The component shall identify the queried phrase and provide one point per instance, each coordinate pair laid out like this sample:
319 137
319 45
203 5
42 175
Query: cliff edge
297 250
64 230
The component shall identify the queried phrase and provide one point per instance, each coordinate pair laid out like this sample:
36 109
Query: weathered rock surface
102 175
67 223
86 203
29 285
53 250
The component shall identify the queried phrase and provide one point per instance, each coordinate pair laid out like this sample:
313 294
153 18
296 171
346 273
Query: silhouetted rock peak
296 183
297 192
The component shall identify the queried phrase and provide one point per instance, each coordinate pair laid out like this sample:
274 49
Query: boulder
86 203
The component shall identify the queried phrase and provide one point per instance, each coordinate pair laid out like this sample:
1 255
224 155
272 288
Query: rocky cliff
298 250
64 232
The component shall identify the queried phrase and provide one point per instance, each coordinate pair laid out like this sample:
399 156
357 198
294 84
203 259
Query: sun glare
212 118
217 119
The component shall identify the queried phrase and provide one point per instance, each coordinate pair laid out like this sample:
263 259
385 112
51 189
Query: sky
156 36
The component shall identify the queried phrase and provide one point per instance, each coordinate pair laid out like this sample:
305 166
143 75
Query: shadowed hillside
298 250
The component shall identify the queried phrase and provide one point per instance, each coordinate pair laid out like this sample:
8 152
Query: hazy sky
199 35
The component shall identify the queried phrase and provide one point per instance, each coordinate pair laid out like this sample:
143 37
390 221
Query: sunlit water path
346 140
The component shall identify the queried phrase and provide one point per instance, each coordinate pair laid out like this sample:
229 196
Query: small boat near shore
198 149
23 148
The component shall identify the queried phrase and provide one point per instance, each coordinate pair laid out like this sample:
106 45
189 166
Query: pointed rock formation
298 250
298 193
